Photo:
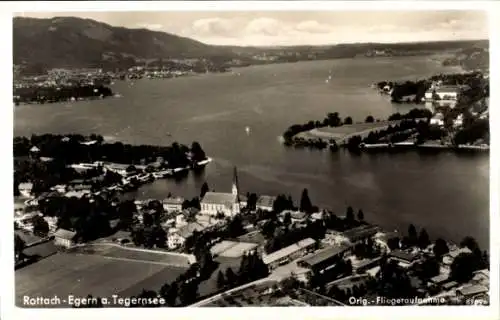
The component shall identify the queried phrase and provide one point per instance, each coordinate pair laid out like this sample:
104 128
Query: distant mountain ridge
75 42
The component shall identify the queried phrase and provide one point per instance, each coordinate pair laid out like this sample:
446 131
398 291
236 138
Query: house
450 256
481 277
404 259
296 216
25 189
361 233
173 204
437 119
321 260
471 291
438 280
447 93
265 203
64 238
174 239
187 230
294 251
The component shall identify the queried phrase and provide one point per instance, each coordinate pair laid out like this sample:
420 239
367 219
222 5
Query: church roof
219 198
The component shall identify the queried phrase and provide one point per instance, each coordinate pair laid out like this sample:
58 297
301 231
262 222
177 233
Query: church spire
235 189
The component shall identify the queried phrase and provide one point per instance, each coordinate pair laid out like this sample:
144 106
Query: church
228 204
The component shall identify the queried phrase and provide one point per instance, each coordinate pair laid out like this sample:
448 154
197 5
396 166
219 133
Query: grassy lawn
111 251
66 274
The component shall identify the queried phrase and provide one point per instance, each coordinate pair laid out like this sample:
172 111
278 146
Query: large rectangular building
324 258
289 253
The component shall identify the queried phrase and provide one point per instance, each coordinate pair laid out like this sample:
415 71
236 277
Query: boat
247 129
169 134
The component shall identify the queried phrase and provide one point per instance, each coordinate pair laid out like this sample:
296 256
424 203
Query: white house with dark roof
265 203
64 238
173 204
25 189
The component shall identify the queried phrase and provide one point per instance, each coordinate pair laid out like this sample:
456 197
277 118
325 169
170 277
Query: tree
369 119
197 152
440 248
348 120
412 235
361 215
305 202
393 243
349 215
470 243
235 227
287 219
164 290
463 267
204 190
188 292
423 239
40 226
221 281
19 246
230 276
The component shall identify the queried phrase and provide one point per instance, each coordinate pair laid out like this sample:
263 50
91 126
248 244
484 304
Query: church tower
235 189
235 192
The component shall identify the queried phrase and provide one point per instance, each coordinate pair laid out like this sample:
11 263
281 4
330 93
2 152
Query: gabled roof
324 255
34 149
265 201
65 234
174 201
277 255
401 255
219 198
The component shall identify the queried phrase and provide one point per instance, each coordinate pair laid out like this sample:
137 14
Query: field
66 274
232 249
116 252
343 132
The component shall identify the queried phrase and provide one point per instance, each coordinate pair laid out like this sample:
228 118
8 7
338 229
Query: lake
447 194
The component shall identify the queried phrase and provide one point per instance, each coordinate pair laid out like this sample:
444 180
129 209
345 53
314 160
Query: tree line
52 94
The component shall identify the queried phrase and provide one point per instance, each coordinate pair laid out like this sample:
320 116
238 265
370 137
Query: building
443 93
471 291
289 253
404 259
437 120
25 189
173 204
296 216
481 277
64 238
228 204
361 233
321 260
174 239
450 256
265 203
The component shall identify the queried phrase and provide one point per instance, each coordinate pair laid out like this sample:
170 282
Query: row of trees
41 95
251 268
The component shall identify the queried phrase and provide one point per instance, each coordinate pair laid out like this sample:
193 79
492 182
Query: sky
271 28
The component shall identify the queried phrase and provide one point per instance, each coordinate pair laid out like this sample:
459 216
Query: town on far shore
74 210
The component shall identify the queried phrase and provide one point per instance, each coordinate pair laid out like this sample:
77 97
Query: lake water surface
447 194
